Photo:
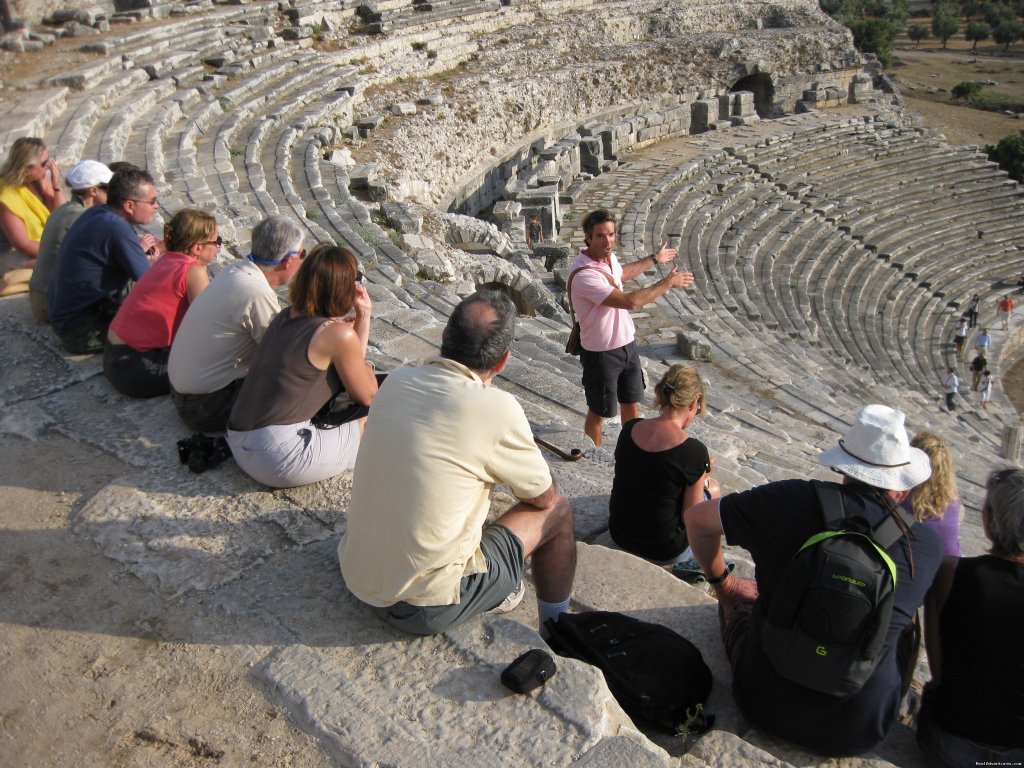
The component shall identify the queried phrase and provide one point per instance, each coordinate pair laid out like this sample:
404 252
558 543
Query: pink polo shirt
601 328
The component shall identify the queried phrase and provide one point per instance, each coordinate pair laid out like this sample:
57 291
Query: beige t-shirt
436 442
218 336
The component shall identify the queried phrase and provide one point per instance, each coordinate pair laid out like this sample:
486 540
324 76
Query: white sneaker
511 602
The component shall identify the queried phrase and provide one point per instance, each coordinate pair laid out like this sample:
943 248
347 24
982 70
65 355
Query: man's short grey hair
480 346
1005 502
273 237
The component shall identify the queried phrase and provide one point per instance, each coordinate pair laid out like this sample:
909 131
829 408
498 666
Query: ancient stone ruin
832 237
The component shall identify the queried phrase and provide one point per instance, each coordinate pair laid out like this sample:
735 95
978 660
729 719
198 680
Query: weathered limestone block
591 155
704 112
466 229
386 700
413 241
180 531
368 124
693 347
403 108
403 218
363 175
76 29
431 100
87 16
556 255
522 260
743 104
505 212
433 265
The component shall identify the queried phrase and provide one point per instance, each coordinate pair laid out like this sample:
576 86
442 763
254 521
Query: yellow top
23 203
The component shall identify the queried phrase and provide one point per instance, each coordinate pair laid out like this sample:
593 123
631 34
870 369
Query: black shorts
137 374
612 377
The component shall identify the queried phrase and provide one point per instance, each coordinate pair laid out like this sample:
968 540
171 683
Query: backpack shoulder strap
892 526
830 499
568 292
568 286
886 533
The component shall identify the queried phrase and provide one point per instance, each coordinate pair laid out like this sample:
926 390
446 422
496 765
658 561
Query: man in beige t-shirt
437 441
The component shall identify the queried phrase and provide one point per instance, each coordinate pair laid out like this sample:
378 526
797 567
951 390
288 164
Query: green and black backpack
828 617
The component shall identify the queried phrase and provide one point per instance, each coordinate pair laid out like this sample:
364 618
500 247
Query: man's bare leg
547 534
629 411
592 427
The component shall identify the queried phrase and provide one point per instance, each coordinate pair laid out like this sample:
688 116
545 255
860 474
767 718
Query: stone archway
761 86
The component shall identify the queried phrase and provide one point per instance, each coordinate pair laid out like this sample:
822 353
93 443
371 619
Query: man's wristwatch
654 258
716 581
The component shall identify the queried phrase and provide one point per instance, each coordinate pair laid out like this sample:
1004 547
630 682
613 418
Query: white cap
88 173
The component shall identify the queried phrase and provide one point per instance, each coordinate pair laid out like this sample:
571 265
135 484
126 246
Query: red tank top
151 313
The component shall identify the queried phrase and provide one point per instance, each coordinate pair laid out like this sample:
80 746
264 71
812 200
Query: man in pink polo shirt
611 364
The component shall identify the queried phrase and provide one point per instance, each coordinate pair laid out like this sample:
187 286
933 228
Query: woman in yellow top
30 187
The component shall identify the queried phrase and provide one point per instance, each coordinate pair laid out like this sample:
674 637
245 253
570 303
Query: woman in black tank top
660 470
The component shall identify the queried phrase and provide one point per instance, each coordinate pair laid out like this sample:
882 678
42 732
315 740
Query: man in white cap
773 521
88 181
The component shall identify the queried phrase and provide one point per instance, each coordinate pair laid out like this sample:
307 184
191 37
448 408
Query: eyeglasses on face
218 242
102 186
299 254
359 276
154 202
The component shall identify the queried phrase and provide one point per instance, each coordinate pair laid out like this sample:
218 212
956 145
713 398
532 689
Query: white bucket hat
876 451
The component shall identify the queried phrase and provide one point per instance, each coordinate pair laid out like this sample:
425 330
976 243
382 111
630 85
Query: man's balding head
480 331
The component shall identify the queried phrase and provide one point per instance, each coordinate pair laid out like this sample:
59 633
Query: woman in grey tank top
312 351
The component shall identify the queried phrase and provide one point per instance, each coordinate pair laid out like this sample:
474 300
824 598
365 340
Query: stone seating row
1004 215
872 354
433 13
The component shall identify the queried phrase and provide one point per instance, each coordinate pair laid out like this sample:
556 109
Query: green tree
976 31
970 8
874 36
968 90
996 12
917 33
1008 30
1009 153
945 21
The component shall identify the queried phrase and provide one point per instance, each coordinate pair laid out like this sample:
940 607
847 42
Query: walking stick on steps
574 454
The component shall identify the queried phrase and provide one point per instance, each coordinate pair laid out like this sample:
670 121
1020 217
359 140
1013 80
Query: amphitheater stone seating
819 279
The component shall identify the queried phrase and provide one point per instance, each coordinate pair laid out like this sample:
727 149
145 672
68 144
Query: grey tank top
282 386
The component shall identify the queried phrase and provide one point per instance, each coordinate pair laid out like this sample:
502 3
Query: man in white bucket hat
879 468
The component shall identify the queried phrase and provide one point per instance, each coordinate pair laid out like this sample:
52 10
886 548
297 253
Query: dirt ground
95 670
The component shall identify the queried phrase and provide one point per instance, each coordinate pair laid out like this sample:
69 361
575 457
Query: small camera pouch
529 671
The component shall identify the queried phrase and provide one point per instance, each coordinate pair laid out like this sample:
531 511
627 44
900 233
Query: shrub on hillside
1009 153
968 90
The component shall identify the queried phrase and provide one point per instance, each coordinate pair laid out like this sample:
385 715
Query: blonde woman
30 187
935 502
660 470
140 335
